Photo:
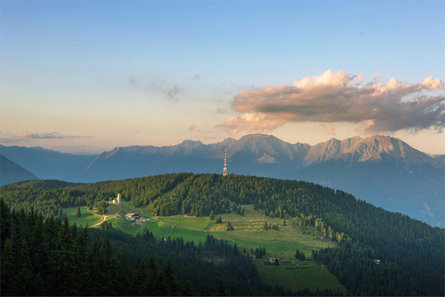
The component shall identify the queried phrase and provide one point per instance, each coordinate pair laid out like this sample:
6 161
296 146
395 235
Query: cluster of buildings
276 261
135 219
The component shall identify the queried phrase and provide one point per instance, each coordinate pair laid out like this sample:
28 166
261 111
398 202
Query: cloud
26 137
51 135
173 91
252 122
132 81
328 128
341 97
221 110
12 140
194 128
157 86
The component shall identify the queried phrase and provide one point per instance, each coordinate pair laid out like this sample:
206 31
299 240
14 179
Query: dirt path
105 218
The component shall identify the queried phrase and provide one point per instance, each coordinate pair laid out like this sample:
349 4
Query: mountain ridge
381 170
366 149
323 151
358 148
10 172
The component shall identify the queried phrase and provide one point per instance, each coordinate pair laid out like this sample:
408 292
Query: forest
380 253
50 257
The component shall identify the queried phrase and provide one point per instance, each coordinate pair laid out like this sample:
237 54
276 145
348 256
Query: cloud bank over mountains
25 137
341 97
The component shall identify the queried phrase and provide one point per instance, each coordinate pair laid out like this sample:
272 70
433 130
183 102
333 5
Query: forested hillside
53 258
410 252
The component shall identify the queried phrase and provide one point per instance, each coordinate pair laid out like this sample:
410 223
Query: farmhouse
278 261
131 216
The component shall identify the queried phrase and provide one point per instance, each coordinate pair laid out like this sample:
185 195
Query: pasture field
125 226
190 228
87 218
248 229
248 233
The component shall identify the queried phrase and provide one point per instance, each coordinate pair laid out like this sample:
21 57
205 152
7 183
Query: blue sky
169 70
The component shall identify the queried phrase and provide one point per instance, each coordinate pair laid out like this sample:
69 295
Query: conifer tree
229 226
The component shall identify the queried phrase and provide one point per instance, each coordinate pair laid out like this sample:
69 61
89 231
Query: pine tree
169 278
187 289
229 226
299 255
24 270
221 289
10 281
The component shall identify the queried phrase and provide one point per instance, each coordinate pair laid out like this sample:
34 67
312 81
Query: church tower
225 162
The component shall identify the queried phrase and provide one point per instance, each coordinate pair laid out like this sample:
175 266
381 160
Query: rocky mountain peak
365 149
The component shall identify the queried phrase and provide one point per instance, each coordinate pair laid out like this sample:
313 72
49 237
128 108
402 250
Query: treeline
358 269
49 200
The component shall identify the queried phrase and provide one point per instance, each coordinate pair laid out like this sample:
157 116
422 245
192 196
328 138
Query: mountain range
382 170
10 172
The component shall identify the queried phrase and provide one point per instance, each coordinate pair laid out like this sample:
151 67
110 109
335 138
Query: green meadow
248 233
87 218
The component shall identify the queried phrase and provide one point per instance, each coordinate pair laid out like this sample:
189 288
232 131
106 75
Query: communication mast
225 162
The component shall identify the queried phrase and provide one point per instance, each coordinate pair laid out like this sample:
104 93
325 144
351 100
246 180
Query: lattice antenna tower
225 162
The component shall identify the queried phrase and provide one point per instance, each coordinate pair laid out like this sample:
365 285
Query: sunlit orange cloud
252 122
341 97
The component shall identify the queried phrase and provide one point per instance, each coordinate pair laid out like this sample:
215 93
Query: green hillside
51 258
349 237
248 233
87 218
248 229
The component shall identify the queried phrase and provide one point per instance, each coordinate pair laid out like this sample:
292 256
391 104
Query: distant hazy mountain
47 164
372 149
10 172
439 160
382 170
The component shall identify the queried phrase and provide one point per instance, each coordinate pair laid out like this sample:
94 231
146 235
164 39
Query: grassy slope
87 217
248 233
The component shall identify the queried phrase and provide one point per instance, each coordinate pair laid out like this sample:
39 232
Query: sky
87 76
